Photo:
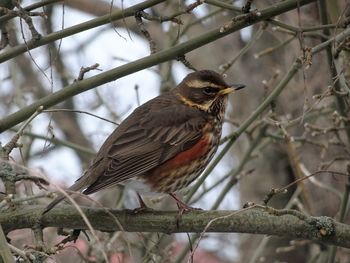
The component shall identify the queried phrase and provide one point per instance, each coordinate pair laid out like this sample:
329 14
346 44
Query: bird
166 143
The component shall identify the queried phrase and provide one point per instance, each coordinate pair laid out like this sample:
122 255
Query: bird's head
205 89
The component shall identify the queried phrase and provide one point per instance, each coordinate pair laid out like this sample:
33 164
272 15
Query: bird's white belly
141 187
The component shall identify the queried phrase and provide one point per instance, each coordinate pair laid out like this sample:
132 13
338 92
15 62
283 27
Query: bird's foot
183 208
143 207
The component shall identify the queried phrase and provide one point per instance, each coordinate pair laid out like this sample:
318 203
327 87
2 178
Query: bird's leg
143 206
141 202
183 207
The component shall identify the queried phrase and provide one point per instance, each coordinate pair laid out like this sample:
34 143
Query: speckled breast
186 166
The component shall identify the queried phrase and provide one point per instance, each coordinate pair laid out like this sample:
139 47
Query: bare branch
258 221
154 59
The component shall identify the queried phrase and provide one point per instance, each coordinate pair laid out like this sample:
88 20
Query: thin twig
13 142
145 33
284 189
185 62
84 70
83 112
243 50
5 252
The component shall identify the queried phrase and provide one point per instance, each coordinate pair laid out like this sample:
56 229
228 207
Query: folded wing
147 138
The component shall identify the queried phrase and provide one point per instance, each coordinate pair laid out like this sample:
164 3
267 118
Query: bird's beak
231 88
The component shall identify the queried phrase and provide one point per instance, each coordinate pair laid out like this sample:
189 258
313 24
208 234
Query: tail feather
77 186
55 202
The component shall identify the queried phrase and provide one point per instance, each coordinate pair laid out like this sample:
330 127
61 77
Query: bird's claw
142 209
184 208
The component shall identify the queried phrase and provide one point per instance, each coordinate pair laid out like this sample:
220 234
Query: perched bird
165 143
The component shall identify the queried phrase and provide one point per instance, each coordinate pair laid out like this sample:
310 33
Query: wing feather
147 138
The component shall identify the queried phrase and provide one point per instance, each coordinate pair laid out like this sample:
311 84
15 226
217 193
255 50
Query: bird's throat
215 107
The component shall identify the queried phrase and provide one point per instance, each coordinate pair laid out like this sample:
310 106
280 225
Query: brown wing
154 133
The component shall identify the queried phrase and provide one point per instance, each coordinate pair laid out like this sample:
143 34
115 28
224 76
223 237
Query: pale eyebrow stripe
201 84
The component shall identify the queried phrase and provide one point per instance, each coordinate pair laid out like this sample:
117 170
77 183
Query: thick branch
257 221
149 61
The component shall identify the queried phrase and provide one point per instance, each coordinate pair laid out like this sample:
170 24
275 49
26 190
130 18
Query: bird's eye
210 90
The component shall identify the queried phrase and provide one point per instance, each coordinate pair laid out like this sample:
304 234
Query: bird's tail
77 186
55 202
